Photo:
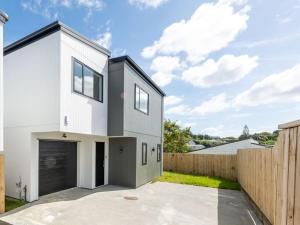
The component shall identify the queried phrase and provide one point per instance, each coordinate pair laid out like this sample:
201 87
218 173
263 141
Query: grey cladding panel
134 120
122 162
115 99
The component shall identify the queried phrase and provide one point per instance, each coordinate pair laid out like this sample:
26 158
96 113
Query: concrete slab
151 204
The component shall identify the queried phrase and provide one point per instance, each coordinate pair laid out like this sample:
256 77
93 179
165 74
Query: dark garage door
57 166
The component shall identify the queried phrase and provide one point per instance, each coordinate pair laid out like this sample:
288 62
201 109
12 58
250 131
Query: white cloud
172 100
104 39
215 104
118 52
213 131
285 20
162 79
165 64
203 33
36 7
147 3
276 88
226 70
91 4
50 8
190 124
164 68
178 110
271 41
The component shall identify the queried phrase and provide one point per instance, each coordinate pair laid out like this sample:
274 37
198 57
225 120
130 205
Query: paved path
156 204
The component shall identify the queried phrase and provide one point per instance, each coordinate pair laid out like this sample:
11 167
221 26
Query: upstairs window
144 154
87 81
158 152
141 100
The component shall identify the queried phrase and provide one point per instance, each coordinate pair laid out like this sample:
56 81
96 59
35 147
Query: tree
246 134
175 138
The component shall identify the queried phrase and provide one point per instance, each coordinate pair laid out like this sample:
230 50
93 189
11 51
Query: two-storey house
74 117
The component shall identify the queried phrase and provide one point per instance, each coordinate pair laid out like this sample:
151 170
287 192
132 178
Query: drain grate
132 198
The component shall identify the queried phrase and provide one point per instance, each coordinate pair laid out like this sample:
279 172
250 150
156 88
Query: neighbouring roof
50 29
230 148
139 70
3 17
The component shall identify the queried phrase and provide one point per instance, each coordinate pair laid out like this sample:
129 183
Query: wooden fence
208 165
272 177
2 185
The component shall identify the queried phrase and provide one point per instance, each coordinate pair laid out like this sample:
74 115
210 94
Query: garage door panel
57 166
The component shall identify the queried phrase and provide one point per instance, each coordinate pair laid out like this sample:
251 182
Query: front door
99 163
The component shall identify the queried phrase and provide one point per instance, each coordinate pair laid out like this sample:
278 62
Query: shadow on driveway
234 209
65 195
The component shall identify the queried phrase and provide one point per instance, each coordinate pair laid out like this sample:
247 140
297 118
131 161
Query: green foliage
264 138
204 181
230 139
175 138
12 203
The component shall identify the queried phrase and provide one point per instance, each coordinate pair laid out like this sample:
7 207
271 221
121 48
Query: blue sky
223 64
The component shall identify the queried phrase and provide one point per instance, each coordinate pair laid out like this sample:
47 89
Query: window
87 81
141 102
158 152
144 154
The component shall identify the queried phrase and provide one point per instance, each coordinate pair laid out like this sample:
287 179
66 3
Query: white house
56 117
3 20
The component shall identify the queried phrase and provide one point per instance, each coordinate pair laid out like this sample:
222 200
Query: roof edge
84 39
128 59
50 29
3 17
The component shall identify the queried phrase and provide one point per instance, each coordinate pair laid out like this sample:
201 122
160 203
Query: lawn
12 203
213 182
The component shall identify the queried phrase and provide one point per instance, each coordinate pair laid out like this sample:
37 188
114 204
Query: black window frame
146 152
135 100
159 152
95 73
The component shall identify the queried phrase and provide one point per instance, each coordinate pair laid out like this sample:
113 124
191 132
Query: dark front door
99 163
57 166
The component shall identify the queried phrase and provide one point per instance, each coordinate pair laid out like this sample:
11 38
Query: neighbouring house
3 20
194 147
230 148
74 117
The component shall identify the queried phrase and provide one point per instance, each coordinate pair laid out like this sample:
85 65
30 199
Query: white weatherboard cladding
31 92
23 155
1 86
84 115
39 77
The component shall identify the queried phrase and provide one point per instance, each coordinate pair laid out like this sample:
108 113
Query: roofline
234 143
139 70
50 29
3 17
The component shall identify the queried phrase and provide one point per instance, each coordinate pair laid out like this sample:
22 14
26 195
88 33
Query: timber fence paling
271 177
207 165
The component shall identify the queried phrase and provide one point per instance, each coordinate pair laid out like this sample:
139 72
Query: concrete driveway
151 204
